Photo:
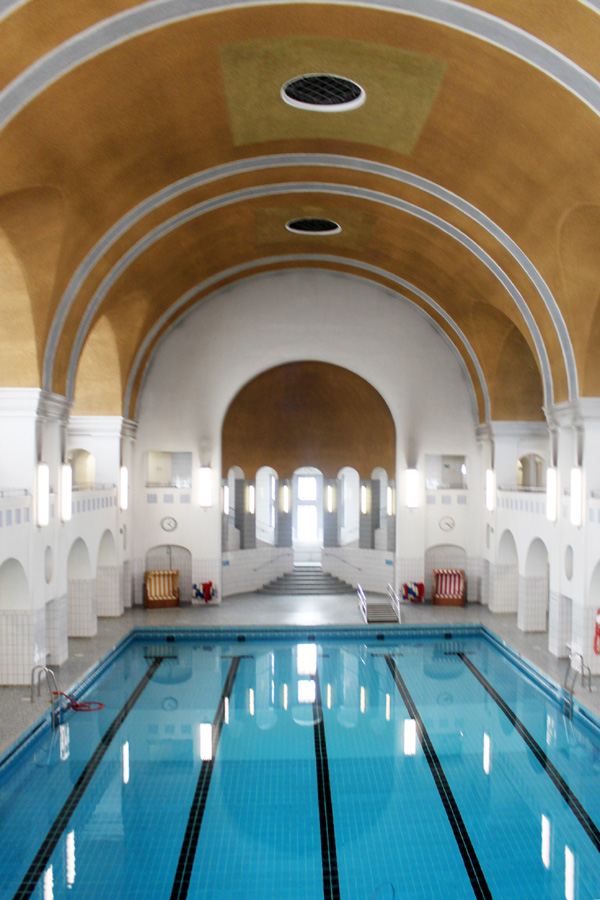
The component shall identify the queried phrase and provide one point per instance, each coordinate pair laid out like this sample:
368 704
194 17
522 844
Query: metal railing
570 679
395 601
6 493
95 486
55 706
362 601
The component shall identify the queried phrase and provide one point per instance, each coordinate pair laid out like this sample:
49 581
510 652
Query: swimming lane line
459 829
40 861
183 873
331 881
559 782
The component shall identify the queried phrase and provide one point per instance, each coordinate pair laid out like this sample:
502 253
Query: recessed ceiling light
323 93
313 225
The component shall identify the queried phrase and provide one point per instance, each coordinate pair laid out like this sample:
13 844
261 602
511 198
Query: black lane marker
40 861
331 881
559 782
183 873
461 835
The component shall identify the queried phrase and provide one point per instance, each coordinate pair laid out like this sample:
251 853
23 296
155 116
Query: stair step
307 580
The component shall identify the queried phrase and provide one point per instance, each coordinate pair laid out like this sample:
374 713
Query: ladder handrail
568 690
55 705
395 601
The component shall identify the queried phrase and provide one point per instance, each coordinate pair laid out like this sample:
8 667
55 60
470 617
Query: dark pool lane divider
461 835
559 782
183 873
42 857
331 881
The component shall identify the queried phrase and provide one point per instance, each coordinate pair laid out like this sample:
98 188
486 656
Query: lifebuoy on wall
597 635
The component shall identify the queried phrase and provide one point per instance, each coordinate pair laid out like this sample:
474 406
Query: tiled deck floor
17 712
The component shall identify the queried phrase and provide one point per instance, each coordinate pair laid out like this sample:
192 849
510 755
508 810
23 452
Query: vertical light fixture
42 494
390 501
285 498
251 499
363 499
66 492
123 488
329 498
490 489
576 496
205 486
226 499
411 488
552 493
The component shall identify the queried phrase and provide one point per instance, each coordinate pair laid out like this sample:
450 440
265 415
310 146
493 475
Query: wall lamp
411 488
205 486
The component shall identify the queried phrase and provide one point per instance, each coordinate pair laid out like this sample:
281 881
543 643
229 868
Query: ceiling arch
148 161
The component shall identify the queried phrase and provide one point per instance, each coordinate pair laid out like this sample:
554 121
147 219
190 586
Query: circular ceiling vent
313 226
323 93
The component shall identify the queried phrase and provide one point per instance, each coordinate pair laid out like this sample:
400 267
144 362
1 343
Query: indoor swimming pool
364 764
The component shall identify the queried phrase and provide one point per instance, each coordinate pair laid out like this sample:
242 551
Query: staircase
307 580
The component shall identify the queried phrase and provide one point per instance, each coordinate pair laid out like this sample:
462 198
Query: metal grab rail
362 601
394 600
570 679
55 705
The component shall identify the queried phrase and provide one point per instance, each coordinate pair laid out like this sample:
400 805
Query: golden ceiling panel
355 235
401 87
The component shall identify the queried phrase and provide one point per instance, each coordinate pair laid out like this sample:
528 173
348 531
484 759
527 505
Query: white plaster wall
274 319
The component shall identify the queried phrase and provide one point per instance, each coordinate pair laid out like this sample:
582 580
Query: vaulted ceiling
147 160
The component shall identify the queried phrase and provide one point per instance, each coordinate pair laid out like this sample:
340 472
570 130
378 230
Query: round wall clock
168 523
446 523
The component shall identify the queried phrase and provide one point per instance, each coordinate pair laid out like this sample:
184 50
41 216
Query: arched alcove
82 616
14 588
84 467
507 550
107 552
348 506
78 563
531 471
309 414
534 589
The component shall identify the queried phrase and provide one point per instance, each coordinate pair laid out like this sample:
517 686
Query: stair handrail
272 559
362 601
55 705
341 559
394 600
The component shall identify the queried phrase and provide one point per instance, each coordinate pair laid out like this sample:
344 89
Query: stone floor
17 711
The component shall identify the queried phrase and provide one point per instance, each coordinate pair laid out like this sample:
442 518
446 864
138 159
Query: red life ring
597 635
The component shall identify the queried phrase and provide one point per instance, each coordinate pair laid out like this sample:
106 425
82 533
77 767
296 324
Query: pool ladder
570 679
55 708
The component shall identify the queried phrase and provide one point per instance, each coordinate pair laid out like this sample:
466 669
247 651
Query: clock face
446 523
168 523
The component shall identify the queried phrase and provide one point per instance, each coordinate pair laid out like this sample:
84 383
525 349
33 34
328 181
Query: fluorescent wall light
43 494
226 499
123 487
363 499
552 493
285 498
66 492
390 501
576 496
251 499
205 486
490 489
411 488
329 498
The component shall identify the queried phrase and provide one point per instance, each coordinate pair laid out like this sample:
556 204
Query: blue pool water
359 764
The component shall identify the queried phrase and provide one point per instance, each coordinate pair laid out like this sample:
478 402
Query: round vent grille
323 93
313 226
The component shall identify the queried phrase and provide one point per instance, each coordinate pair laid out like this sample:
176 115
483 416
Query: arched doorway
307 516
